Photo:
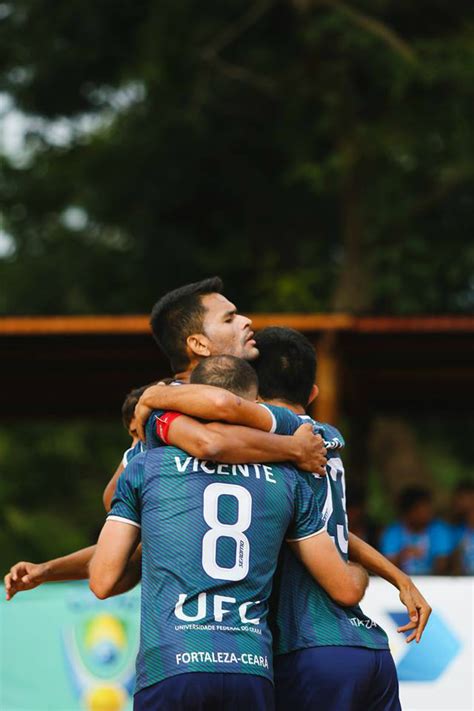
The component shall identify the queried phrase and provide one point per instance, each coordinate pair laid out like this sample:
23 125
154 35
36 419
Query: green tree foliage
53 476
318 152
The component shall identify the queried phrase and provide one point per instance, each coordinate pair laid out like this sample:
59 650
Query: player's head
286 366
128 408
415 505
196 321
228 372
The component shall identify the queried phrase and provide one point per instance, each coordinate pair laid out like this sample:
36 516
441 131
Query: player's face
227 332
421 515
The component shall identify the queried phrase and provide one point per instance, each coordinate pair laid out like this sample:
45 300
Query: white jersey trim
123 520
124 458
304 538
274 422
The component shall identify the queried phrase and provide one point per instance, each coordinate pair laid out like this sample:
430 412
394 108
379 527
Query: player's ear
313 394
198 344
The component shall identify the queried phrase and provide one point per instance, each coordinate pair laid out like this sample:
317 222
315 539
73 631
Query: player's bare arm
205 402
418 609
232 444
242 445
108 567
26 575
131 575
345 582
75 566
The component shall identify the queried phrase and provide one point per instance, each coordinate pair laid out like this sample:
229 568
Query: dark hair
286 366
179 314
131 399
228 372
411 496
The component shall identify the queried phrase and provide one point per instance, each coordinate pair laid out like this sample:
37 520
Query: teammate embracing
211 535
326 656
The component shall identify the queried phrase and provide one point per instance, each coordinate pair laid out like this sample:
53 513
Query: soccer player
189 324
211 535
322 650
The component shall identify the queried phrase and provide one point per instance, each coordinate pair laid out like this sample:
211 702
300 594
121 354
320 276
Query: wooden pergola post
327 406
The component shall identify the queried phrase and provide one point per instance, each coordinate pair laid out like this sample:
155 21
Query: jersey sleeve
126 505
157 427
284 421
333 439
307 518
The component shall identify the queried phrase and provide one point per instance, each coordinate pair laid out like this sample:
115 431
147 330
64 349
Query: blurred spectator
360 522
418 543
463 528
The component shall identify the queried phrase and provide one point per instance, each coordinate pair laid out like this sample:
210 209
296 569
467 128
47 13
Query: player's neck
298 409
184 376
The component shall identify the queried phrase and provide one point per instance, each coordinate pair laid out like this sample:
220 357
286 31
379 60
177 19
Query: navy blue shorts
199 691
336 679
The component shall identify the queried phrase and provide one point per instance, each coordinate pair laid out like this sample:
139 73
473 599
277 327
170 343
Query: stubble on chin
251 354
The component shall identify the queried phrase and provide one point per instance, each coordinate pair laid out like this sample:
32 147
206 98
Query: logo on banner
100 660
428 660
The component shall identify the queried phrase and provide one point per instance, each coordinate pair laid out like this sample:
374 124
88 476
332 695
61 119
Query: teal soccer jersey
211 536
303 614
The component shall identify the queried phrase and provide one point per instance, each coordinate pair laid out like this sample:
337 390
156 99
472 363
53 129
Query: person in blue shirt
418 543
463 528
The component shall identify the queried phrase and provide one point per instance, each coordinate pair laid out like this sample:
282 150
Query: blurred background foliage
318 152
52 478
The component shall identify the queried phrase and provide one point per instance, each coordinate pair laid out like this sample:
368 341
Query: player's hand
312 456
142 413
418 610
24 576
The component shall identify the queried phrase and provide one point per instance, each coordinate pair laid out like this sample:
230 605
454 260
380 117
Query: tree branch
230 33
244 75
370 24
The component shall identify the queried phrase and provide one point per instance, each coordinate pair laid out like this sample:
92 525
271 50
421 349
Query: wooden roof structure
82 366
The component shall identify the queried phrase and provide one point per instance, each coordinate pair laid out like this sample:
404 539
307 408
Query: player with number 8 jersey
211 535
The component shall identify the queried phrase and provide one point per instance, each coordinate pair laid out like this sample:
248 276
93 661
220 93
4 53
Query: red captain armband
163 424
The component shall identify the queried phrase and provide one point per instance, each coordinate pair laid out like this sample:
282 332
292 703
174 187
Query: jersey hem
304 538
123 520
274 422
